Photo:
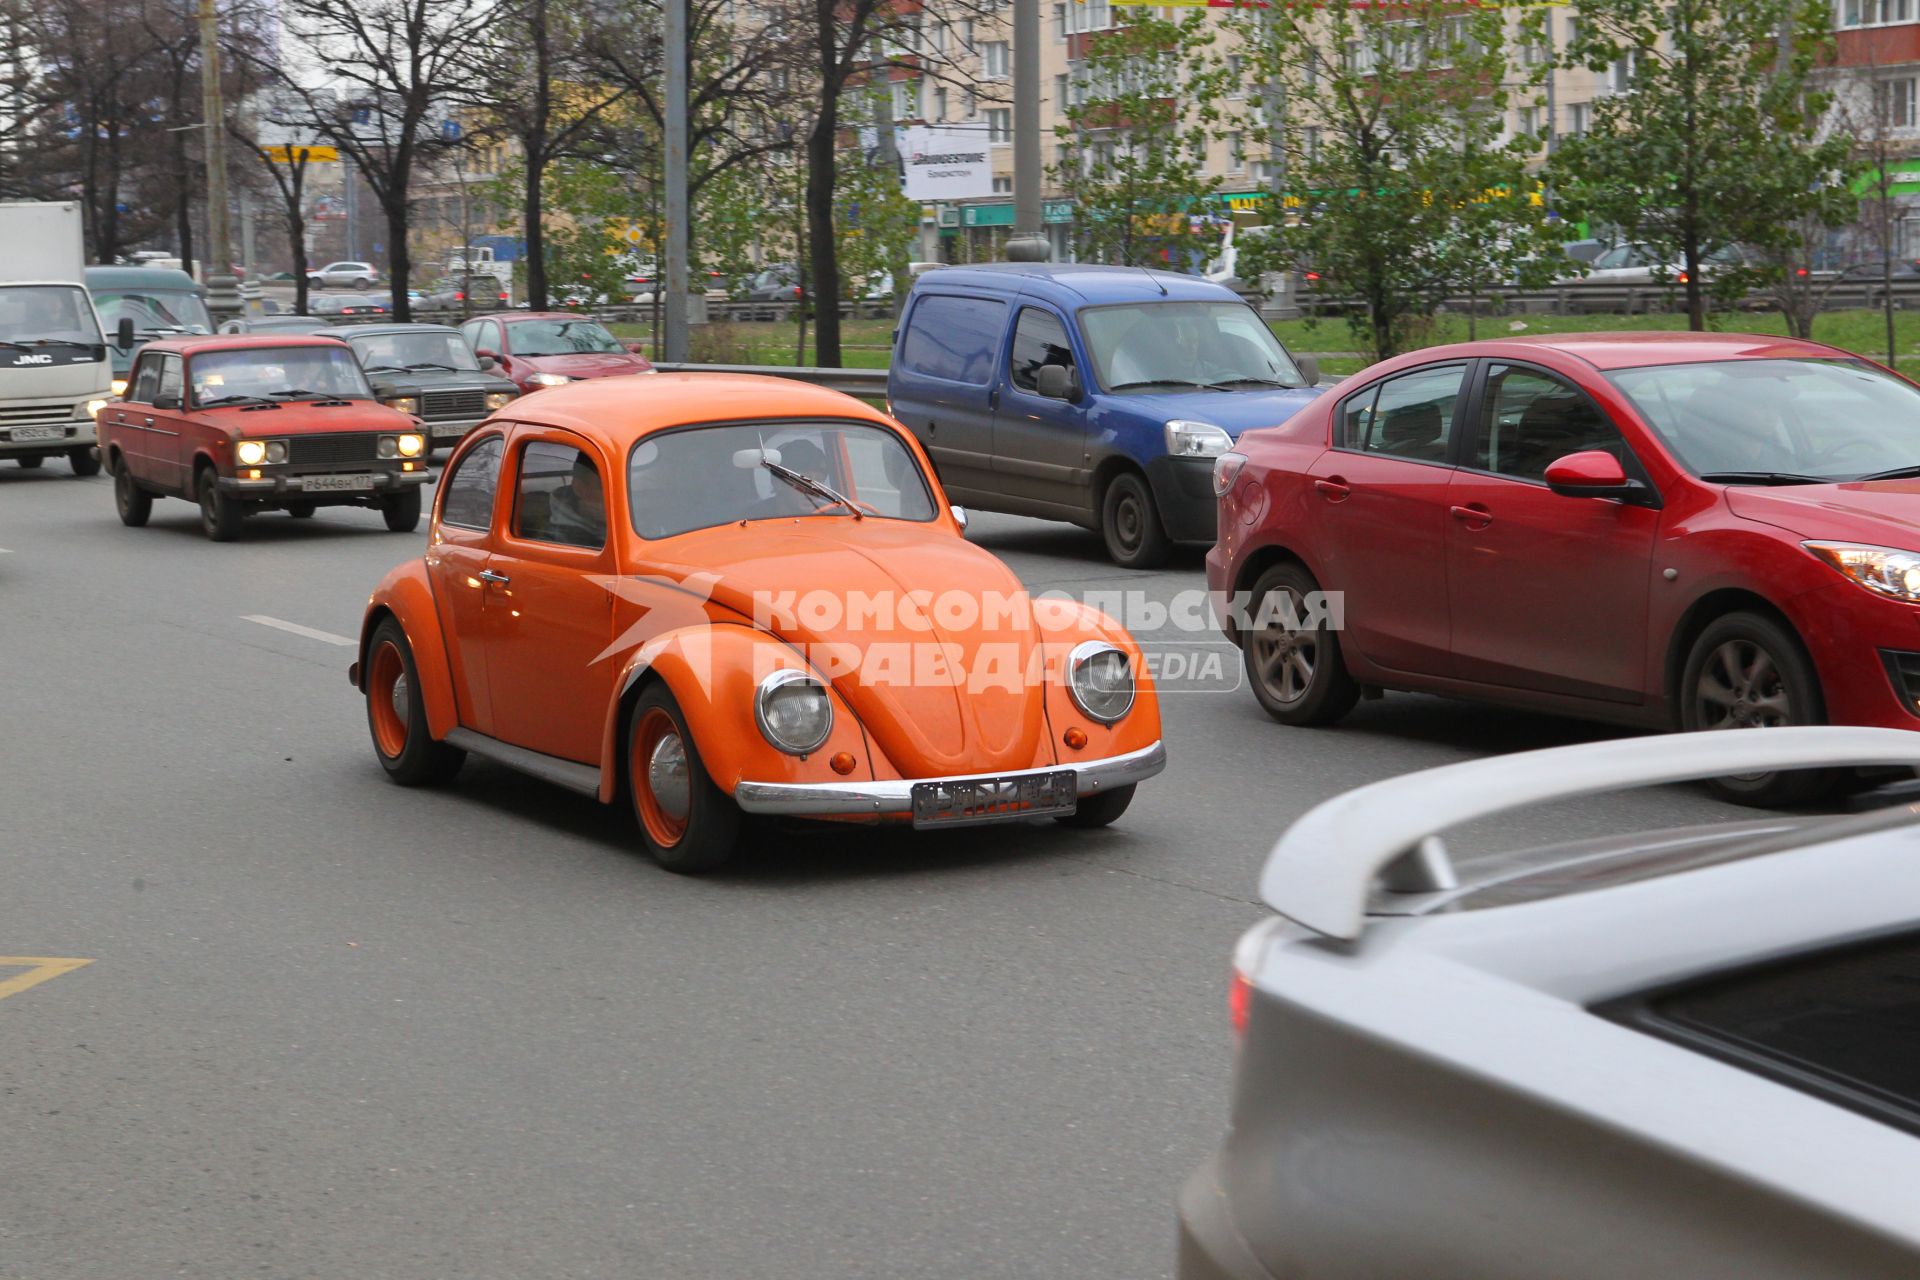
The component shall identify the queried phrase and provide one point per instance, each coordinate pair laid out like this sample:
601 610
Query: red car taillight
1239 1001
796 291
1226 469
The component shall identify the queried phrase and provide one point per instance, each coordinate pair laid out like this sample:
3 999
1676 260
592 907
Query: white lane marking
5 552
324 637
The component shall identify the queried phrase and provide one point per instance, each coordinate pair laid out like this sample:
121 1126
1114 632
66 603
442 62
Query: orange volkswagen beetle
729 595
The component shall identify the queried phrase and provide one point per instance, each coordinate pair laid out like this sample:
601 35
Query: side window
470 489
1531 419
171 382
1410 416
560 497
146 381
953 338
1038 338
492 337
471 332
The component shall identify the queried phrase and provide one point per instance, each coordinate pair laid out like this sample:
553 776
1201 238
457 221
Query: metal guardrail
1576 297
855 382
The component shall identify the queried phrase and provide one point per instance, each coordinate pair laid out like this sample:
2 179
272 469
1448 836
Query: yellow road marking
39 969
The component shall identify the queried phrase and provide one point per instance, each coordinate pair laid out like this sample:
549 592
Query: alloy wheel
1285 657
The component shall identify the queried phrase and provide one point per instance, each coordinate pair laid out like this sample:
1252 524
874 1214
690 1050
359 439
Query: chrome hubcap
1285 657
400 699
667 776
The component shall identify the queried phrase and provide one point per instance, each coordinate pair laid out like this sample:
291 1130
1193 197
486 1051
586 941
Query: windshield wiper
1762 477
61 342
1891 473
1166 382
217 401
428 364
807 484
297 393
396 368
1256 382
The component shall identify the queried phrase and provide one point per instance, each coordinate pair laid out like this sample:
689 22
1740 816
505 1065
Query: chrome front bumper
895 798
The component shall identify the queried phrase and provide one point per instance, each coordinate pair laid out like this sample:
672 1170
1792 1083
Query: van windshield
1146 348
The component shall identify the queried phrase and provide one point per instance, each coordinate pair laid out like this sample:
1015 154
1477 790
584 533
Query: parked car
777 283
1877 269
1633 264
1678 531
1484 1066
156 302
707 499
1095 395
344 275
429 371
275 324
333 304
248 423
538 349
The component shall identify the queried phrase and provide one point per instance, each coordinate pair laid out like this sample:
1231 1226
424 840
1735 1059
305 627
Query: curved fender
713 670
407 595
1064 624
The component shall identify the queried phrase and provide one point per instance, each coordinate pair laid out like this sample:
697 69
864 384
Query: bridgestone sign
947 164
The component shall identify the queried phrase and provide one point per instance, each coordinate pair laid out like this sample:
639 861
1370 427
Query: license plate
21 434
450 429
327 484
965 802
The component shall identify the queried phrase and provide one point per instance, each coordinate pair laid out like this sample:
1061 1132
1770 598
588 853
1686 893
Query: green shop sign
1001 215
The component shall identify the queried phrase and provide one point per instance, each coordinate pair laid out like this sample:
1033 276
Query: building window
1527 121
1000 126
996 61
906 99
1620 74
1579 116
1060 22
1875 13
1893 103
1236 152
940 104
1003 186
1236 87
973 105
966 35
1062 89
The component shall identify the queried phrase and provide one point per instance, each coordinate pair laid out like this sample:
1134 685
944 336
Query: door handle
932 427
488 575
149 421
1474 517
1335 490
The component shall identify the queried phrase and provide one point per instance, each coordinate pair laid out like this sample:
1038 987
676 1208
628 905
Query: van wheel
1746 671
1296 671
83 460
134 503
220 516
397 714
687 823
1130 522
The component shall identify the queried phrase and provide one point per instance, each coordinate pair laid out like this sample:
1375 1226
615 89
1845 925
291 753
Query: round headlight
405 404
276 451
251 453
793 711
1100 680
411 445
119 386
498 400
388 447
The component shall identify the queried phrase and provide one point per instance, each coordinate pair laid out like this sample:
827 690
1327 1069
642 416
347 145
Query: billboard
946 163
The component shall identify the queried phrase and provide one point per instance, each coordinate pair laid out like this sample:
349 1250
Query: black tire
301 510
84 460
1749 671
220 515
134 503
705 836
402 511
1298 675
1130 522
363 284
28 464
397 714
1098 810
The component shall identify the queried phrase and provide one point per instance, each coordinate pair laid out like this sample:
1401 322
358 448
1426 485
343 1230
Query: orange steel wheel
387 699
662 781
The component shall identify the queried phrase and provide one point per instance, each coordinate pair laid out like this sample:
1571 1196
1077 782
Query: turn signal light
842 762
1075 737
1239 1001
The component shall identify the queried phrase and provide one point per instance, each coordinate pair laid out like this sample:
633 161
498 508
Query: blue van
1091 394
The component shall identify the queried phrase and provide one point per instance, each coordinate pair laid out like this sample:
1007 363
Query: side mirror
1594 473
1309 369
488 358
636 348
166 402
123 334
959 516
1056 382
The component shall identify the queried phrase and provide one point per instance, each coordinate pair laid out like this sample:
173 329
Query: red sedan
1692 531
550 348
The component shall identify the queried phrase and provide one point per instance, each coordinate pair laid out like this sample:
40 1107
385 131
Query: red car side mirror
1595 473
636 348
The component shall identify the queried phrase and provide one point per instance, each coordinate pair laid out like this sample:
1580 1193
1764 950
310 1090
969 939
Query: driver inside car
577 515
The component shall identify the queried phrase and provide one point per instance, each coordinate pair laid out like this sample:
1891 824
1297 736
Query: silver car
339 275
1694 1053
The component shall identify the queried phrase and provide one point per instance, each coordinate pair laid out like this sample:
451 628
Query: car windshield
706 476
269 373
562 338
426 350
1778 421
47 313
1150 347
154 311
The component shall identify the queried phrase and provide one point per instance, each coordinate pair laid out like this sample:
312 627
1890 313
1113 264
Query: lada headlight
388 447
498 400
412 445
1100 680
793 711
118 386
1885 571
405 404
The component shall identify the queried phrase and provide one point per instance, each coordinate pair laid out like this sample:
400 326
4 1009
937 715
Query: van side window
953 338
1038 339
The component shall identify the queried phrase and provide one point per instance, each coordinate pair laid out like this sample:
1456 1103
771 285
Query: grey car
1690 1053
428 370
344 275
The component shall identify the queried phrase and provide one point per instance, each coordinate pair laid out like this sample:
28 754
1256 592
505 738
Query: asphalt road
333 1028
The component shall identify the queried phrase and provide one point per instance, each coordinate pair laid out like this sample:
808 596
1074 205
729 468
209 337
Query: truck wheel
220 516
1098 810
1131 524
402 511
397 714
134 503
688 824
28 464
83 460
1747 671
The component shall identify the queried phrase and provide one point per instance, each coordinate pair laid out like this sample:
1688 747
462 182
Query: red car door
550 625
1380 502
459 560
1547 592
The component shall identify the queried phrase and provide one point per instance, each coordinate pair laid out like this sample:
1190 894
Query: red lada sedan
550 348
1680 531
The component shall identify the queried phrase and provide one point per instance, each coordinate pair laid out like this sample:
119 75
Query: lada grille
453 404
355 446
34 414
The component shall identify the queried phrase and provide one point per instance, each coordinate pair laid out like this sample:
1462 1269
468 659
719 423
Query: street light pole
223 298
674 278
1028 243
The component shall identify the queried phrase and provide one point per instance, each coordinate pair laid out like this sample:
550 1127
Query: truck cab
54 367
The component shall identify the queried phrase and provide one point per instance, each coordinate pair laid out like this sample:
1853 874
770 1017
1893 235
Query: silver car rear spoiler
1320 872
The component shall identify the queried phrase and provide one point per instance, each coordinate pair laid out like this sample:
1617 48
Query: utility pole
674 279
1028 243
223 299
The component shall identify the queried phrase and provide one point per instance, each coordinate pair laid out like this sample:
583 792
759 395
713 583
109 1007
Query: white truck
55 370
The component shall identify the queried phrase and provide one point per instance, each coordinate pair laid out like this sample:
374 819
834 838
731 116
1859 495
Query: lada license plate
449 429
328 484
965 802
22 434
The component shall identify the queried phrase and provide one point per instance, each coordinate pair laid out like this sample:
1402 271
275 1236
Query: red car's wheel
397 714
1747 671
688 823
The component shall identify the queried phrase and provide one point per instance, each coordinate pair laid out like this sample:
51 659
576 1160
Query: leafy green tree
1133 151
1715 143
1398 182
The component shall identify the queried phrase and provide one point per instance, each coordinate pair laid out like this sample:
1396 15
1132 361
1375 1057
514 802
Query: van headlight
793 711
1196 439
1100 680
93 407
